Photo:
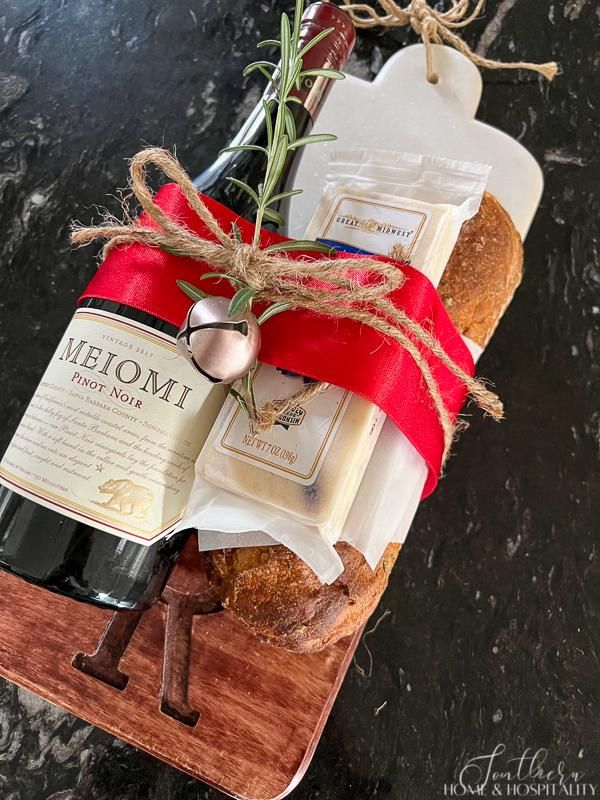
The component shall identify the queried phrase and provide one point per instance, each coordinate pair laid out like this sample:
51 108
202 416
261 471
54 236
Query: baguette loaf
273 591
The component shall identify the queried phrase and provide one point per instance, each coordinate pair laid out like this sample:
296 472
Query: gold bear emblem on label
128 498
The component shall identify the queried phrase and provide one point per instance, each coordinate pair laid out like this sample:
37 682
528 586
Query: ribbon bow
343 288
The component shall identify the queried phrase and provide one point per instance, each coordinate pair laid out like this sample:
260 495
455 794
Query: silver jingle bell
220 347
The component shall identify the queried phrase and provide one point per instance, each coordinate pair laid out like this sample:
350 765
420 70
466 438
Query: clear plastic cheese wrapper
407 206
304 474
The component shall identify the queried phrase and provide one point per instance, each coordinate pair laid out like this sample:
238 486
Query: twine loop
243 257
275 277
436 27
421 17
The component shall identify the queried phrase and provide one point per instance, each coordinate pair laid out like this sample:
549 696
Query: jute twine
275 277
436 27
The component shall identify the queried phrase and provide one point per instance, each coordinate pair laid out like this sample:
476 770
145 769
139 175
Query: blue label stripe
344 248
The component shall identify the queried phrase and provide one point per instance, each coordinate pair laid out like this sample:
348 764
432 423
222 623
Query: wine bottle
94 478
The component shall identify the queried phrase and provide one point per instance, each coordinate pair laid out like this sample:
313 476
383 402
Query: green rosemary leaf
273 216
265 73
269 312
317 247
295 77
286 35
268 122
282 195
281 149
313 138
298 244
192 291
255 65
248 389
241 301
215 275
297 22
318 38
218 275
240 400
251 391
294 99
247 383
245 188
242 148
236 232
290 124
332 74
171 251
270 43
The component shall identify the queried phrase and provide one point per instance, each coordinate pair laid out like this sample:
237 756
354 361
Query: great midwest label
373 226
368 225
112 433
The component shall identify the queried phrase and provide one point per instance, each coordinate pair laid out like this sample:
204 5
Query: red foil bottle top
335 48
332 52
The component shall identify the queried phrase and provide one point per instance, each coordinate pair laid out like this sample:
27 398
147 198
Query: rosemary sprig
282 139
281 127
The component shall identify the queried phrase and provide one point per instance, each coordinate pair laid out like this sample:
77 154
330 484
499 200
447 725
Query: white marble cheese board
400 110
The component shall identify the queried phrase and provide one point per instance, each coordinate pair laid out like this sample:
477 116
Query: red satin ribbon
337 351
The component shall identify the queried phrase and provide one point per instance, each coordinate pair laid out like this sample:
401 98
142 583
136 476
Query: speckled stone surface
493 633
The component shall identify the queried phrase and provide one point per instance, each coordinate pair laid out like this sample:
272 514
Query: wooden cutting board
189 687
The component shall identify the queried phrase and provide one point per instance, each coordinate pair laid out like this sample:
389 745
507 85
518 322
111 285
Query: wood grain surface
244 718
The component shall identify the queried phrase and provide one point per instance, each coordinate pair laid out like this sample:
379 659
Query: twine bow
436 27
275 277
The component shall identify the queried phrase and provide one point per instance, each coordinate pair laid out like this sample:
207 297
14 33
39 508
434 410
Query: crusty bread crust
283 602
273 591
483 272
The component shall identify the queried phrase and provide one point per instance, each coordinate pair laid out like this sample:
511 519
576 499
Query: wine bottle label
112 433
298 442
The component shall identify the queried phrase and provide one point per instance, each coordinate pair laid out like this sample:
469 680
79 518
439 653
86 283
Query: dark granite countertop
494 635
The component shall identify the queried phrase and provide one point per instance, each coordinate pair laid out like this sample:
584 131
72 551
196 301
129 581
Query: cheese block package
297 483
